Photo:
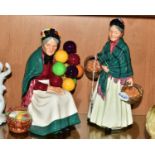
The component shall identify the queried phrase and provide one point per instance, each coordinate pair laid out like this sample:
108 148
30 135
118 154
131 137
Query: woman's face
50 47
114 33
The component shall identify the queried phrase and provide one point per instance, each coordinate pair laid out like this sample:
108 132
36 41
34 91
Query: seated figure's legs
51 112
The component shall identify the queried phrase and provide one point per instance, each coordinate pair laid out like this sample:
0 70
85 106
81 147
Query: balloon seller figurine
107 110
52 108
3 75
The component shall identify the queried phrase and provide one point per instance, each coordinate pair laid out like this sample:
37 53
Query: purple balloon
71 71
69 47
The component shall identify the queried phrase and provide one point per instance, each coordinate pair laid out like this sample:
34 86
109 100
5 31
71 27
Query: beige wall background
20 36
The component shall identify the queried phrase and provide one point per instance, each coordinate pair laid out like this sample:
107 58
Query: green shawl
118 62
34 67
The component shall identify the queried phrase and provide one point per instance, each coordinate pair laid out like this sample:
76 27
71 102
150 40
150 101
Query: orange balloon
61 56
80 71
68 84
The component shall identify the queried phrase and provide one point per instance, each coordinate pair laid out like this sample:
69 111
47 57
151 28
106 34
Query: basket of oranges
18 120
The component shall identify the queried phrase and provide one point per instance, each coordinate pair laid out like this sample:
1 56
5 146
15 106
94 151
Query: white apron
52 112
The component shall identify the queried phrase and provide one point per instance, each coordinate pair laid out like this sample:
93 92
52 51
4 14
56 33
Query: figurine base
2 119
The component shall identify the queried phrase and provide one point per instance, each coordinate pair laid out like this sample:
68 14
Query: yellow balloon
61 56
68 84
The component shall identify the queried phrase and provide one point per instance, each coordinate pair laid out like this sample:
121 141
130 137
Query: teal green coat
118 62
34 67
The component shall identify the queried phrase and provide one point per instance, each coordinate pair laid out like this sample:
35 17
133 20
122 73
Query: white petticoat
111 112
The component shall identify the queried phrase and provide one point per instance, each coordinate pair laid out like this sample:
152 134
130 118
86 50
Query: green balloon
59 68
75 81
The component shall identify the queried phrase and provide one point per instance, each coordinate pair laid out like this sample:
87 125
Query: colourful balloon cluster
67 68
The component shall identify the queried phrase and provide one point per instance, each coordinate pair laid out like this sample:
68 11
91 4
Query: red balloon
56 81
73 59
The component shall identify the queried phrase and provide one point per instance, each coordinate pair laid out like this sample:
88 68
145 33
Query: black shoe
57 135
107 131
72 128
66 130
118 130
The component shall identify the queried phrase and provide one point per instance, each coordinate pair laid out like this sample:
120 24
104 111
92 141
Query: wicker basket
134 92
90 67
16 125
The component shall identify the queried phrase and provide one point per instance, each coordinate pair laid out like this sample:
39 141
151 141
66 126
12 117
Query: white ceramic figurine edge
3 75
